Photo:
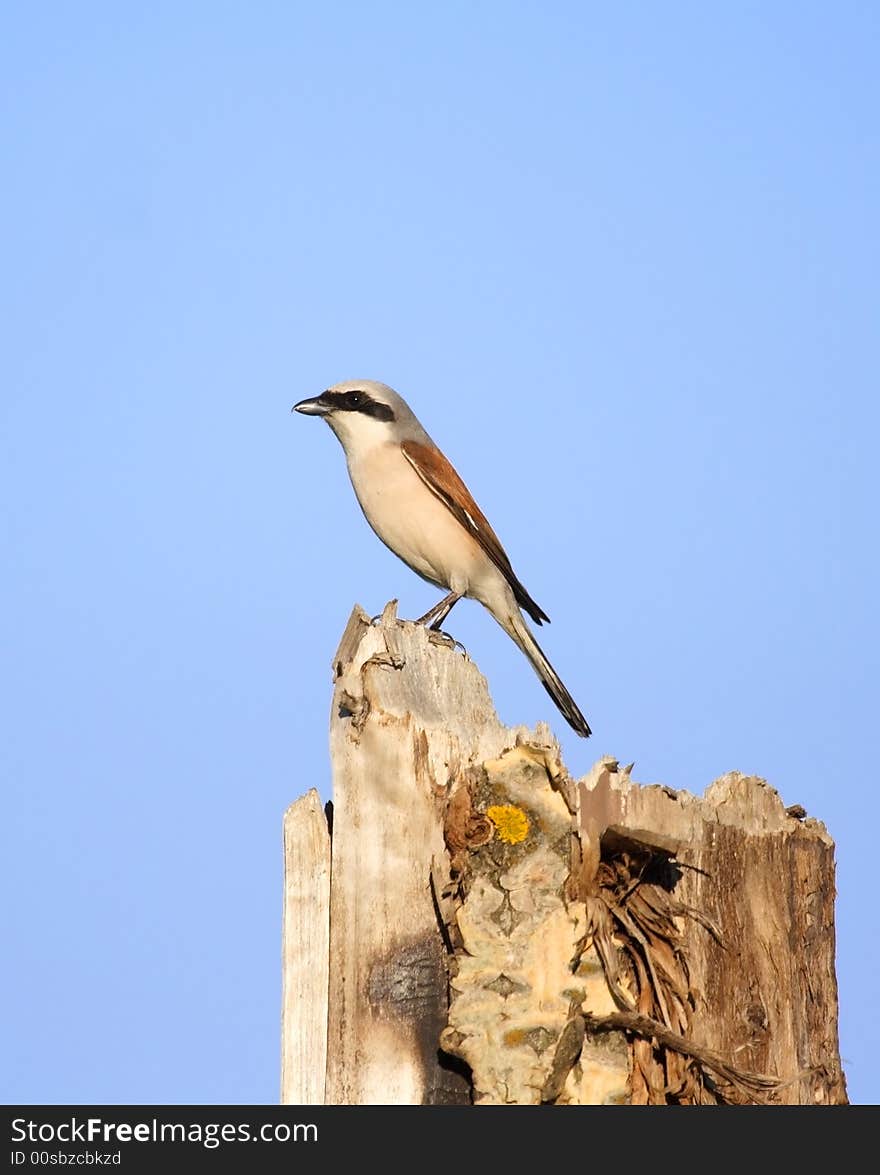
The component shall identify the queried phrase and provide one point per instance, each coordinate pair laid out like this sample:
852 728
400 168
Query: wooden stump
492 931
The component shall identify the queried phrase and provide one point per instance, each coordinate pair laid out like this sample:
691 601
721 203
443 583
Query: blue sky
622 261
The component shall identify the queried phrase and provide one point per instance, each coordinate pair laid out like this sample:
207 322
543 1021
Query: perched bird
422 510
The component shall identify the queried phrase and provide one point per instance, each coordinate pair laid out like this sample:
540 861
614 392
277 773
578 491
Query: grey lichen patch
505 917
539 1039
505 986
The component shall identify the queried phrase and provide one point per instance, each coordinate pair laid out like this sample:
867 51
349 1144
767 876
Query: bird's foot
438 637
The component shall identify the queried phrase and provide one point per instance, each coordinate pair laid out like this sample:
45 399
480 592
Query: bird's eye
355 398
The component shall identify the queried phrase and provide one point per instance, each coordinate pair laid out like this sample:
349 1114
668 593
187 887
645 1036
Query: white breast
413 522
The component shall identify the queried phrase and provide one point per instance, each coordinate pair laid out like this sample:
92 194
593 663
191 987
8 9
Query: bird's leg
450 602
440 611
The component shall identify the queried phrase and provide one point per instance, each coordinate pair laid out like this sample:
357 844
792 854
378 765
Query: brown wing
442 480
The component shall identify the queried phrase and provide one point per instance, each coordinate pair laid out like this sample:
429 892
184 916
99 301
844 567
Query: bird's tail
519 631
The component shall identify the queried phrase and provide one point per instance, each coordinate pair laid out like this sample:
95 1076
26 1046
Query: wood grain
305 952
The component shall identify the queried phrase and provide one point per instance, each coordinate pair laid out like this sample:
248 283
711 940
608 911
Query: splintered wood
495 932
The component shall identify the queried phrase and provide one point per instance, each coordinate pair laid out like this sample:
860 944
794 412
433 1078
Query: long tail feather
519 631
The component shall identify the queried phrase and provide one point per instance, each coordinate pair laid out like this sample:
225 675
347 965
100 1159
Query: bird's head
362 413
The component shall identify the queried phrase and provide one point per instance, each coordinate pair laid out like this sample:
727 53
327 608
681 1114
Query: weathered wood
409 712
305 952
687 944
765 983
503 934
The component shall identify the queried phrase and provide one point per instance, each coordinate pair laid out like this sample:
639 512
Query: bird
421 509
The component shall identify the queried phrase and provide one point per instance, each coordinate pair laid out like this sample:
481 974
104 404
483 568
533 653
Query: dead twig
751 1085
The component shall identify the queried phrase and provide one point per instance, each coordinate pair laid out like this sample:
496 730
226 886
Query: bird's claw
438 637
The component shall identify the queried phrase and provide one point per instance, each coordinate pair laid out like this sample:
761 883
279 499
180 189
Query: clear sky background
622 261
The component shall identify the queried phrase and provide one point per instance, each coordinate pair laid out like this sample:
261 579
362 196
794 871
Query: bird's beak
315 407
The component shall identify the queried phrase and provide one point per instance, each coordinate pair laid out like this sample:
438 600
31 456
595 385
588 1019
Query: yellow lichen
512 824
